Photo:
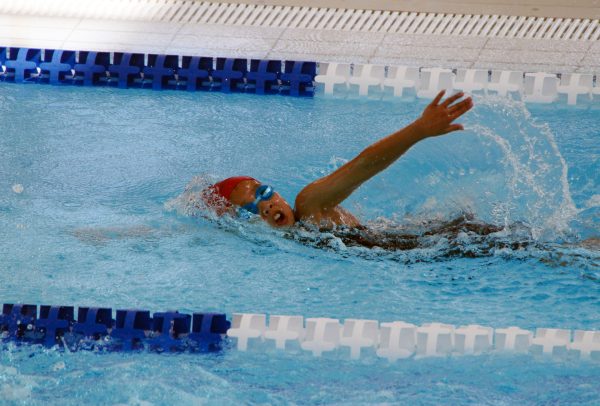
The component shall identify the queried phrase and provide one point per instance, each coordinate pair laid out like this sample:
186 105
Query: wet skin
319 202
275 211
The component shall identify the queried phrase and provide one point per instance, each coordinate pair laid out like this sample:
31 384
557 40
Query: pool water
91 215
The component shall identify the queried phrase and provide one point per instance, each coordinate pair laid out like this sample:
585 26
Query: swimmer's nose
266 210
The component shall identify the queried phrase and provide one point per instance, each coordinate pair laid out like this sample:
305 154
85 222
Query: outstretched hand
437 117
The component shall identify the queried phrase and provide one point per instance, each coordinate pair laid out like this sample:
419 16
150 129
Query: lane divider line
139 70
95 329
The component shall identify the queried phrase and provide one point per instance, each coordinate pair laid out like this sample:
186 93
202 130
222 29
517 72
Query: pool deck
534 8
133 32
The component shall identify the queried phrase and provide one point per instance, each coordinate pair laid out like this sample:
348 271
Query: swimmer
319 202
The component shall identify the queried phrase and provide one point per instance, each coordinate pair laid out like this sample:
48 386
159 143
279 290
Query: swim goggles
262 194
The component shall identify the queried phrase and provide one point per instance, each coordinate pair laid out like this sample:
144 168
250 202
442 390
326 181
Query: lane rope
130 330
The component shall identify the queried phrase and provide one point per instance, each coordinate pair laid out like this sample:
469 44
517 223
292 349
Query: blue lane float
92 67
56 67
126 68
207 330
21 64
93 322
160 71
130 70
53 323
263 76
95 329
3 52
15 319
230 74
298 78
194 72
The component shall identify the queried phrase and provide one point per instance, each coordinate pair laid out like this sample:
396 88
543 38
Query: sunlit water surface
99 221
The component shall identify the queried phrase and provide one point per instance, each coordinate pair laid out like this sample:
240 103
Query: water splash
514 178
536 174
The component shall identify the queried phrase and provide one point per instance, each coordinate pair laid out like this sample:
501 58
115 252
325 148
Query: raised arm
334 188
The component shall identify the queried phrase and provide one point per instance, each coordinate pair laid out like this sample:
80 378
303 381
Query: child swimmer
319 202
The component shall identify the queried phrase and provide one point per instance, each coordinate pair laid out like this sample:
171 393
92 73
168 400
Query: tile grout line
272 51
479 52
175 34
75 27
383 37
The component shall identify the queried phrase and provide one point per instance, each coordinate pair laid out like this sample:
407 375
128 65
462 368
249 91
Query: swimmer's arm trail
332 189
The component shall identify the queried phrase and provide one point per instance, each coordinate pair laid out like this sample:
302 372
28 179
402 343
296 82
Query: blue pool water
99 223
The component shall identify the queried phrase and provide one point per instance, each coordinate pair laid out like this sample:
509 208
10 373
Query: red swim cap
219 194
225 187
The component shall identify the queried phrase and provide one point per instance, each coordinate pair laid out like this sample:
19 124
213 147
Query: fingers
460 108
452 99
453 127
438 98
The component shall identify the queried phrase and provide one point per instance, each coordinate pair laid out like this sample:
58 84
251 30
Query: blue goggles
263 193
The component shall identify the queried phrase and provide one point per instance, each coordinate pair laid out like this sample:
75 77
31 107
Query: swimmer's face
276 211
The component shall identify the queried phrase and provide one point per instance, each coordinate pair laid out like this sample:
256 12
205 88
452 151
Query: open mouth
279 218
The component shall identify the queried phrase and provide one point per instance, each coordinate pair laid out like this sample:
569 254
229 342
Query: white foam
536 172
594 201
